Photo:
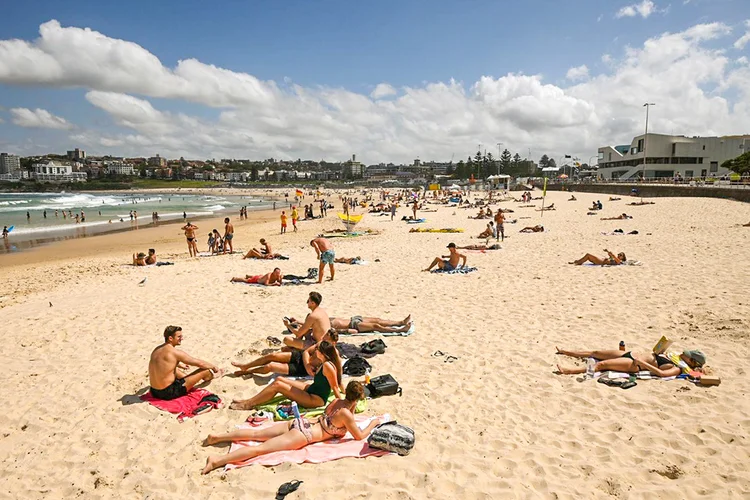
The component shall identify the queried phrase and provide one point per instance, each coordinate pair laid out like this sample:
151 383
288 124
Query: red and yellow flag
299 192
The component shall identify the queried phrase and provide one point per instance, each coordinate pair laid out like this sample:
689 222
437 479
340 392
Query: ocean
37 218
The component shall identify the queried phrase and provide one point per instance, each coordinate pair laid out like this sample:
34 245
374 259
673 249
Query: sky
389 81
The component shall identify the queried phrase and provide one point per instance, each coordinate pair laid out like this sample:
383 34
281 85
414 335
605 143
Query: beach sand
496 423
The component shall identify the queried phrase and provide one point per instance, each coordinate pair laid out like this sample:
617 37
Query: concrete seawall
657 191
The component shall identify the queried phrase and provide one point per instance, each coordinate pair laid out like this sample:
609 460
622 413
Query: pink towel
324 451
184 406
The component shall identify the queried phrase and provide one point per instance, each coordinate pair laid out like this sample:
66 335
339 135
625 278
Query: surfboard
11 228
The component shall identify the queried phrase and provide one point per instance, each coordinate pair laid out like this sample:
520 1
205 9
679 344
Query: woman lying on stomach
308 394
337 419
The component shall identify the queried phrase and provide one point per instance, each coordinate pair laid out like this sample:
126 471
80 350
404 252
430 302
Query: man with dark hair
166 368
326 255
452 260
228 235
269 279
312 331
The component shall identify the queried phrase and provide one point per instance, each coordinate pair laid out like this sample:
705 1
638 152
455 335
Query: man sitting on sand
270 279
265 252
326 255
294 363
365 324
532 229
348 260
314 328
141 259
619 217
452 260
611 260
167 364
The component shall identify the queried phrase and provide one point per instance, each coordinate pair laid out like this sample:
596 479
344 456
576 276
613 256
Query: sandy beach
495 423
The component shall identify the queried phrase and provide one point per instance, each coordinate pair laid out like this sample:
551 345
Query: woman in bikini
308 394
294 363
610 260
661 365
336 421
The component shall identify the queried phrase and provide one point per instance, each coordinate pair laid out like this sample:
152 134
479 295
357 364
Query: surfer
5 232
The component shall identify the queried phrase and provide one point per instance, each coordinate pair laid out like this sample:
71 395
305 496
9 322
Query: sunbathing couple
269 279
661 365
619 217
265 252
610 260
141 259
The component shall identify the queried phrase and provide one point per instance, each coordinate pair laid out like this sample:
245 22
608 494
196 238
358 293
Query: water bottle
622 345
590 367
367 377
295 410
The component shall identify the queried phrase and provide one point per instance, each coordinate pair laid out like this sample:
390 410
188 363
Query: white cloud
382 90
643 9
744 39
435 120
38 118
742 60
578 73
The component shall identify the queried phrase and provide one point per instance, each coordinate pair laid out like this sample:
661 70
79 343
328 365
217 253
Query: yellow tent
350 220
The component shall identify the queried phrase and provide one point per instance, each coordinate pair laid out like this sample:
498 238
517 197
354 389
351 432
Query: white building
120 168
671 155
57 173
9 164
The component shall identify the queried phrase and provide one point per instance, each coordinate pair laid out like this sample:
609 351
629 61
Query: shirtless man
532 229
191 238
365 324
167 364
270 279
264 253
151 258
326 255
316 325
499 221
451 263
228 235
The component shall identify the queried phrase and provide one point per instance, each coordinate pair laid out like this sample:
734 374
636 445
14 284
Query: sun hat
696 356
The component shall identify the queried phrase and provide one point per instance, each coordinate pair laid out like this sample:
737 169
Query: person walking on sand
326 255
452 260
295 216
283 222
499 220
190 230
228 235
393 210
167 364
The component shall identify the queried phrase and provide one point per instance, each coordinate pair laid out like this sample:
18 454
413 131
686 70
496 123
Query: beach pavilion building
670 156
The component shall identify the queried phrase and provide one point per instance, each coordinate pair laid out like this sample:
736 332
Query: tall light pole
497 162
645 138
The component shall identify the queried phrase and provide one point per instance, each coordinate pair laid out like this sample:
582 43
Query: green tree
740 165
478 162
254 173
552 163
516 162
490 166
544 161
505 161
460 171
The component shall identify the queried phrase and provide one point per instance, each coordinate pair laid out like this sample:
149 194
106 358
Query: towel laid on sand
417 221
209 254
185 406
384 334
626 263
641 375
436 230
278 257
316 453
283 404
460 270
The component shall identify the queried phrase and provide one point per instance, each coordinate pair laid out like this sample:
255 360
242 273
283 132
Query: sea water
105 212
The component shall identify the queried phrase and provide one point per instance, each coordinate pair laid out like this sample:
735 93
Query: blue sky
349 45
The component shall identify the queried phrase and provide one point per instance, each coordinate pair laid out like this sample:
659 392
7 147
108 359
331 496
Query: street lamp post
645 139
497 161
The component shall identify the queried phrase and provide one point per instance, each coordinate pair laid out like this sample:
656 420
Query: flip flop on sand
287 488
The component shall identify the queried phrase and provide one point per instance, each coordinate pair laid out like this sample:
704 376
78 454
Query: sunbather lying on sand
494 246
612 198
639 203
532 229
348 260
611 260
661 365
308 394
619 217
270 279
337 419
294 363
544 209
265 252
365 324
572 198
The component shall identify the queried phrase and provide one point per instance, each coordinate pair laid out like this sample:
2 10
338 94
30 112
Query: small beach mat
281 408
185 406
317 453
460 270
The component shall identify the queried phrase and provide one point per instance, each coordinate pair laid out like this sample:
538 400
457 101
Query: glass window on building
714 166
688 173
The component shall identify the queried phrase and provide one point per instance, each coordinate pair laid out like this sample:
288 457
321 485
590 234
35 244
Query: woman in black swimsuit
336 421
620 361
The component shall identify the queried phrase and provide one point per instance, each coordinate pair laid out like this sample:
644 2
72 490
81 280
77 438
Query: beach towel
209 254
384 334
436 230
417 221
278 257
356 263
184 406
281 408
641 375
625 263
316 453
460 270
285 282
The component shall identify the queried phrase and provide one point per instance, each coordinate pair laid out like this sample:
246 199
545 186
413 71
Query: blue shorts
229 236
447 266
327 257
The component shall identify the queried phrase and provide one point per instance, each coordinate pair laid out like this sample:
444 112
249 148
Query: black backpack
356 366
376 346
384 385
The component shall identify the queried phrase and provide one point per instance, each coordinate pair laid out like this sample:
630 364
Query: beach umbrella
563 176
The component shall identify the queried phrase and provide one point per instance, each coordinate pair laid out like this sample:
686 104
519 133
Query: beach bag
384 385
356 366
392 436
376 346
